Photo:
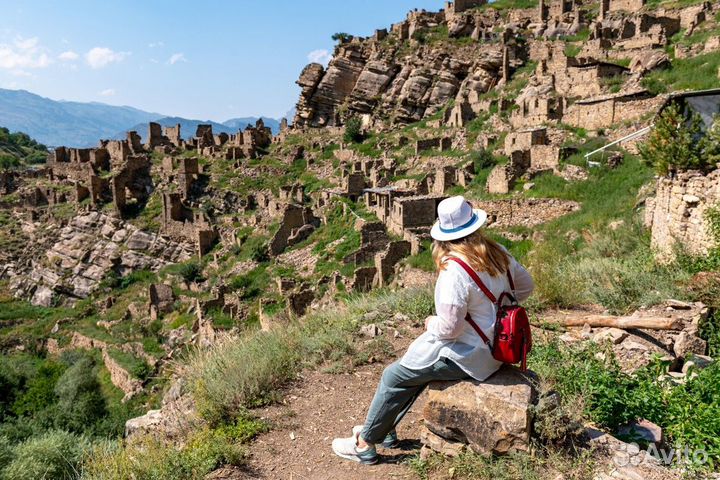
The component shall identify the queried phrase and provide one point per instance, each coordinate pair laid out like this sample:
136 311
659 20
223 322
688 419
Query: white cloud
100 57
319 56
23 53
108 92
68 56
156 44
176 57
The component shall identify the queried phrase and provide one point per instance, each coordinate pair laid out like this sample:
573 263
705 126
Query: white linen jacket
449 335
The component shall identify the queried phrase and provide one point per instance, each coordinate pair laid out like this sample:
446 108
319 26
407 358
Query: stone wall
626 5
603 112
677 214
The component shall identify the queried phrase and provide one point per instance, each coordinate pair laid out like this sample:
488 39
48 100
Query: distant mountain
76 124
240 123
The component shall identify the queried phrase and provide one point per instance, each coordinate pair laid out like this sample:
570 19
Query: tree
342 37
677 143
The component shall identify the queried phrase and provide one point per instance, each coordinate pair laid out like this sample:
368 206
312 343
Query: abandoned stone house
102 177
380 200
572 77
408 213
677 213
460 6
443 144
297 224
607 110
183 223
182 171
8 182
537 110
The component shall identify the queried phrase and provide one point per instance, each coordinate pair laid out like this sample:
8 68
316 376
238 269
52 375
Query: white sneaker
347 448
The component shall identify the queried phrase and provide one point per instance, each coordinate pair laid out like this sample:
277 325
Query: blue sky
207 60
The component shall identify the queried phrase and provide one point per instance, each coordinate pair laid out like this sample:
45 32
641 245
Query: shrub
148 458
190 271
677 143
688 413
80 401
8 161
56 454
353 130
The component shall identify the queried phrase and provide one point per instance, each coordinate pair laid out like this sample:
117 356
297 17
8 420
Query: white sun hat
457 219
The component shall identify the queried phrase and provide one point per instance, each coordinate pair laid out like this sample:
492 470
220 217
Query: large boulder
492 417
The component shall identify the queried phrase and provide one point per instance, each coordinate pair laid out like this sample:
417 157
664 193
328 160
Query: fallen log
598 321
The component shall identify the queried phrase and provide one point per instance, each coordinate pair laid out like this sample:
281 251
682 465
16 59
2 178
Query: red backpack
513 339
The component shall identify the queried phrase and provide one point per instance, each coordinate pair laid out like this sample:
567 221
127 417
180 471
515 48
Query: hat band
463 227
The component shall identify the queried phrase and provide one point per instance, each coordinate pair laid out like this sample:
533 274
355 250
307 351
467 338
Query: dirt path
318 408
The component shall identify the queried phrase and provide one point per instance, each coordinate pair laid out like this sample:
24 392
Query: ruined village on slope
189 186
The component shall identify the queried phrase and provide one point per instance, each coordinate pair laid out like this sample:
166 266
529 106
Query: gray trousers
398 389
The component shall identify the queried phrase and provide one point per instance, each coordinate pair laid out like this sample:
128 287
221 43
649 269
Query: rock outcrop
490 417
87 250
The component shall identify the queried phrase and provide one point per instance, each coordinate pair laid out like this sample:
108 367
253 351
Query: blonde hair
482 253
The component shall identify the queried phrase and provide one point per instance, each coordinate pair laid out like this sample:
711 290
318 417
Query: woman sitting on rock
449 349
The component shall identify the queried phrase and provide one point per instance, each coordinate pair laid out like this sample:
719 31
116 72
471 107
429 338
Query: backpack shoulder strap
484 289
476 278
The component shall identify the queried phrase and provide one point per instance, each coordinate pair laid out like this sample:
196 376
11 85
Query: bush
190 271
689 413
80 403
353 130
149 458
53 455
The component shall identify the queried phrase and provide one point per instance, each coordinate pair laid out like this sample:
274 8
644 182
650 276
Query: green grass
696 73
423 260
613 268
241 373
510 4
203 451
572 50
689 413
543 464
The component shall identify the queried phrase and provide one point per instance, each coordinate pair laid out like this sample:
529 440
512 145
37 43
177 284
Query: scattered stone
642 430
438 444
614 335
632 345
678 305
696 362
687 343
371 330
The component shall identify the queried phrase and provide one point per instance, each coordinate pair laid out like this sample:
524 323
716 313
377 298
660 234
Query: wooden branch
596 321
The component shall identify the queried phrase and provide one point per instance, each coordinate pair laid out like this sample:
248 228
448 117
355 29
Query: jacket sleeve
524 284
450 306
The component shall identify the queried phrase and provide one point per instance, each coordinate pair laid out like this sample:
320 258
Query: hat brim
480 220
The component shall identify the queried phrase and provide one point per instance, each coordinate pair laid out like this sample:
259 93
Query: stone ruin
118 171
184 223
677 215
530 152
162 300
297 224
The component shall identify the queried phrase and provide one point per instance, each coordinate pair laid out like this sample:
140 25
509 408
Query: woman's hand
427 321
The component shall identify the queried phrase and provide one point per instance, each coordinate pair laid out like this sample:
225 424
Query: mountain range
78 124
